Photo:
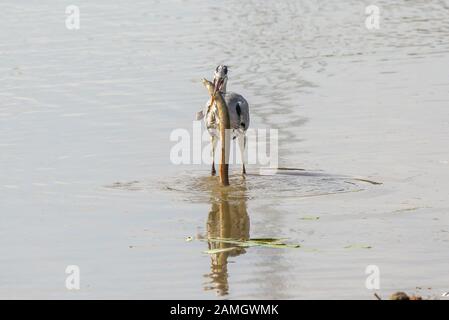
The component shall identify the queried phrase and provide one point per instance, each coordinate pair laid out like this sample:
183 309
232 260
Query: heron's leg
214 145
242 145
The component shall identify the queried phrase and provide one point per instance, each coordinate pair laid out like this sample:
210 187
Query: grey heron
238 110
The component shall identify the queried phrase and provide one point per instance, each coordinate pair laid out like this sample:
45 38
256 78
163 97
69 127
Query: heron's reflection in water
228 218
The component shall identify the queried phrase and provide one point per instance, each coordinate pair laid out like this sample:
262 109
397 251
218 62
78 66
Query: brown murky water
86 178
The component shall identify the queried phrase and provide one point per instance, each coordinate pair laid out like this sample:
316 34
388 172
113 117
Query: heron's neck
223 90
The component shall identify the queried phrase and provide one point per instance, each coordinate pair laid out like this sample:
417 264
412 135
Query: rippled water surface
85 171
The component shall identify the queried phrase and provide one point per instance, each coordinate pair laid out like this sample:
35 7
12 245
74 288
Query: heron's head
220 78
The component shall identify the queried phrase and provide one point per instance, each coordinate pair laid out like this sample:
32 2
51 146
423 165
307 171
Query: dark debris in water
399 295
132 185
419 295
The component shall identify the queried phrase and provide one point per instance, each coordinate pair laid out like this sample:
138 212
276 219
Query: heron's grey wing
202 113
238 111
244 117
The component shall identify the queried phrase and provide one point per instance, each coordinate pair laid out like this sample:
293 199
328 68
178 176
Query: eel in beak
224 126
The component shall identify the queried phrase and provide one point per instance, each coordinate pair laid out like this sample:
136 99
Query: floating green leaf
310 218
215 251
264 242
281 245
267 239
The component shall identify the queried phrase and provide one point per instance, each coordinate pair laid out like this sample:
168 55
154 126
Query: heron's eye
217 69
225 69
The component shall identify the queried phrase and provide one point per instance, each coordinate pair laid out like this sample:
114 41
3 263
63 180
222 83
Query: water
85 174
